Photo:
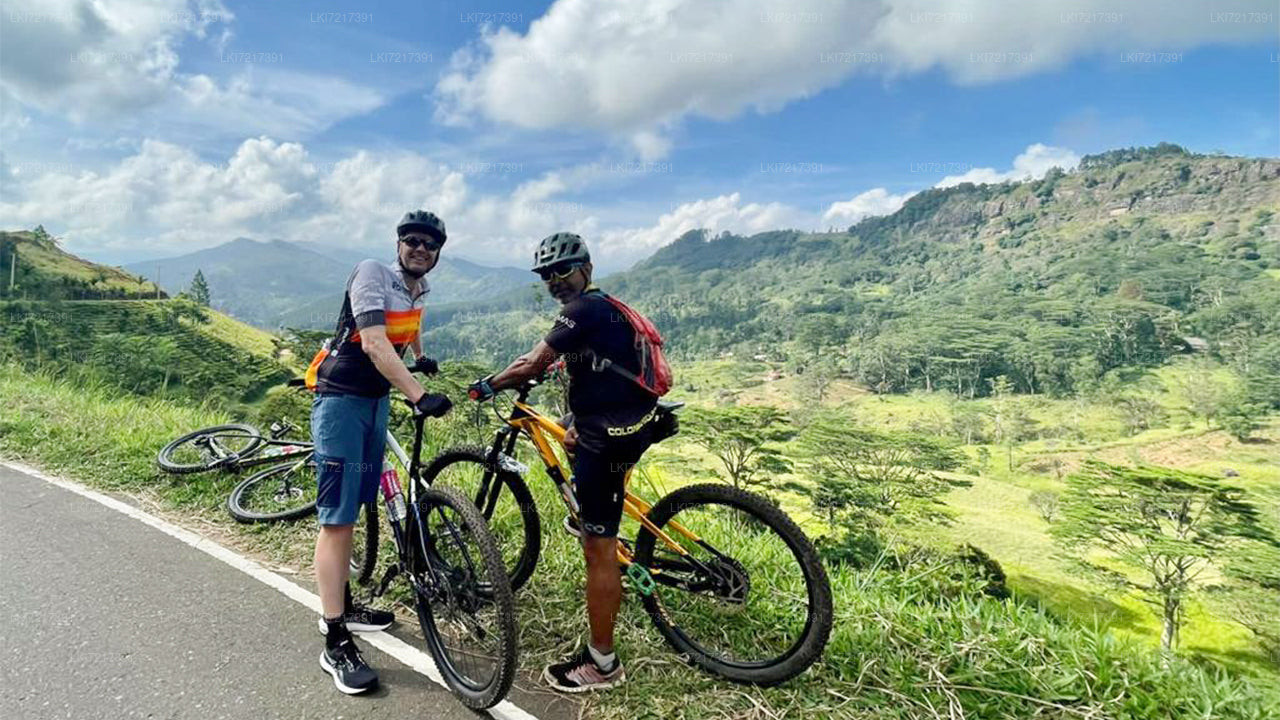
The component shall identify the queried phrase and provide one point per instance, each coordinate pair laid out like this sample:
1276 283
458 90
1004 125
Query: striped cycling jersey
377 294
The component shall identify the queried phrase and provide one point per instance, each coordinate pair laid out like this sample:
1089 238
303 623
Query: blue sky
142 129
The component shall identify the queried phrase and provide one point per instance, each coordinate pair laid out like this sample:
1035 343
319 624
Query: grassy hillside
909 640
46 272
167 347
1050 282
990 498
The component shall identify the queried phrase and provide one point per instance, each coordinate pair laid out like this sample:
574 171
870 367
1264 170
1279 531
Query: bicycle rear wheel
463 597
748 600
209 448
364 543
282 492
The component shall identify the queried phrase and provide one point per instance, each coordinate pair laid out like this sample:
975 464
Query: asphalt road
103 616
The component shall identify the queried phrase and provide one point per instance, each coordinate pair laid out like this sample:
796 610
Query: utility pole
13 266
157 281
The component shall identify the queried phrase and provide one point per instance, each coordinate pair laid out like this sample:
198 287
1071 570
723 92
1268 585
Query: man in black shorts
609 433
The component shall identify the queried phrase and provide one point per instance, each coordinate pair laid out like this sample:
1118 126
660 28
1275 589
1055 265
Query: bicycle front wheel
510 512
209 448
463 597
282 492
748 600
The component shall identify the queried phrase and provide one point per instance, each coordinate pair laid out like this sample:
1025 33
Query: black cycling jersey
604 403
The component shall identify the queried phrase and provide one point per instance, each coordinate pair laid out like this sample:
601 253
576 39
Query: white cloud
118 60
164 199
109 56
632 70
718 214
877 201
1031 163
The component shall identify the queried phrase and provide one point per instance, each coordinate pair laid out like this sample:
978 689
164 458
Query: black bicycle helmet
559 248
421 221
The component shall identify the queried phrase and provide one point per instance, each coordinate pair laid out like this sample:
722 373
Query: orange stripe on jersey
402 326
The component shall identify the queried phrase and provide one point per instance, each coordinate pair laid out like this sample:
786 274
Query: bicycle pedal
641 578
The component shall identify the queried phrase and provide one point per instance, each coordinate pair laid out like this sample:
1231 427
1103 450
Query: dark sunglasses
551 275
430 243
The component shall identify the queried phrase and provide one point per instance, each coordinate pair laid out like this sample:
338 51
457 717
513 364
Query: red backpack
655 373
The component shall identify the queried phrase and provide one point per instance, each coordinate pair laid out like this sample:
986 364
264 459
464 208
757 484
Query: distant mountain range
276 283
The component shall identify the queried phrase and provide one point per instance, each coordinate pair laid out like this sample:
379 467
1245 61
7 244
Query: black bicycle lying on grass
284 491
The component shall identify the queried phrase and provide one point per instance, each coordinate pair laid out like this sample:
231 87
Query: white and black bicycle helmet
560 248
421 221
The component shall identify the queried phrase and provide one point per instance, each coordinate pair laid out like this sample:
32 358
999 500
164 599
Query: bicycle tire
165 459
520 560
760 516
251 486
364 551
476 583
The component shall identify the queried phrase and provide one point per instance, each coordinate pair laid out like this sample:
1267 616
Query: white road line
386 642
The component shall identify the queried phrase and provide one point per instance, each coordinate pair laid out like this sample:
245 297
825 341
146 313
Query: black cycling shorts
598 480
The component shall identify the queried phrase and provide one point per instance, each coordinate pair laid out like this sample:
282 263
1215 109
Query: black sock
335 632
347 603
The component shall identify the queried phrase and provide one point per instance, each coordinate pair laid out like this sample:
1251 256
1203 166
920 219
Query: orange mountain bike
726 577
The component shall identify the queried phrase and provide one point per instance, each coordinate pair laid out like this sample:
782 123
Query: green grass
992 511
918 643
51 265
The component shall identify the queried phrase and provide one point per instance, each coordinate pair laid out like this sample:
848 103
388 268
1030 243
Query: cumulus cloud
718 214
119 59
877 201
165 199
86 58
1031 163
633 69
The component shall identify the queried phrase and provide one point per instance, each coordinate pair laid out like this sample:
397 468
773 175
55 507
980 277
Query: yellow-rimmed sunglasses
549 275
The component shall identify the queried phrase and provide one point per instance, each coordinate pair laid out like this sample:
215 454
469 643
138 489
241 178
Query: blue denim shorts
350 433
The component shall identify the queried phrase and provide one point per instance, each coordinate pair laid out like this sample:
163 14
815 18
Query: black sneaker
361 618
581 673
350 672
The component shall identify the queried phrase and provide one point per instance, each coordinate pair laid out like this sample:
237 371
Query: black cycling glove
433 405
425 365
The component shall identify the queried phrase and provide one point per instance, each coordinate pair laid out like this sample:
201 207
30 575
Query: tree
1009 417
873 475
1047 503
199 290
1139 412
1239 417
740 437
1203 392
817 378
1168 525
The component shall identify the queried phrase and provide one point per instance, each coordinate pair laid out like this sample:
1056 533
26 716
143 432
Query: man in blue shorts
381 316
609 432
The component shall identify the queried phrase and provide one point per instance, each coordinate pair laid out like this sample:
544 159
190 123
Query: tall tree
1170 526
199 290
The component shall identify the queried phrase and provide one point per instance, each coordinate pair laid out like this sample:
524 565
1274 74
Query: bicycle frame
526 420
